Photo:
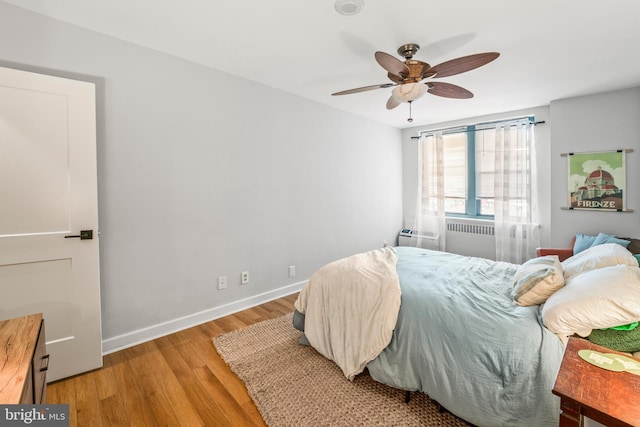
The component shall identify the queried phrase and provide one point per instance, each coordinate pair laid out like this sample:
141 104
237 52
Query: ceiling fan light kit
410 76
349 7
409 91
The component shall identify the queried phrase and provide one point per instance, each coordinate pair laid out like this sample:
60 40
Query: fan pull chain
410 119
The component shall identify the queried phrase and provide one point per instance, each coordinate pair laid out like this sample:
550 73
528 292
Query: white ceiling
550 49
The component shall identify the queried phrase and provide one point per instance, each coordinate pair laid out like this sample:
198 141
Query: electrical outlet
292 271
244 277
222 282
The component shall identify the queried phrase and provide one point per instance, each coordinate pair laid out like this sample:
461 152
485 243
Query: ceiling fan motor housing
408 50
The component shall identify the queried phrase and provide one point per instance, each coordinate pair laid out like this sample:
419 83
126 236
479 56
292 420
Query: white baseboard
140 336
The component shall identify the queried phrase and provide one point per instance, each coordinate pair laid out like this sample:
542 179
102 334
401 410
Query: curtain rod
541 122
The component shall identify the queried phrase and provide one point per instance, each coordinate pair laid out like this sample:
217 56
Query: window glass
455 173
485 170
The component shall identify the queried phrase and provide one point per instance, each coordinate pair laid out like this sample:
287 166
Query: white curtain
516 218
430 215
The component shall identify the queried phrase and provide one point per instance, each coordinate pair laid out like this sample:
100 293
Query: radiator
470 227
471 237
408 237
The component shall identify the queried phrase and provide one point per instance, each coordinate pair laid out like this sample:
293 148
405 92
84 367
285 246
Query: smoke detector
349 7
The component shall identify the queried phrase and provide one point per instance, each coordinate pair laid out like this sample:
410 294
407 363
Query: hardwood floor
176 380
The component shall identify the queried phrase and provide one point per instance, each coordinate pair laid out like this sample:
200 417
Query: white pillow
595 257
601 298
537 279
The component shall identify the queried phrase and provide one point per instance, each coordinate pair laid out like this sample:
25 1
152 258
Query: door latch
84 235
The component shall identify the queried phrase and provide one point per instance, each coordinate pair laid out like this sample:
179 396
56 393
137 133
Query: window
469 158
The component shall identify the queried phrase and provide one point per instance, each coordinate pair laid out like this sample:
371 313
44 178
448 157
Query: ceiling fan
408 76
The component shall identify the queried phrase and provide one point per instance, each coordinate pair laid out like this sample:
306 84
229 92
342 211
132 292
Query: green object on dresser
628 341
629 327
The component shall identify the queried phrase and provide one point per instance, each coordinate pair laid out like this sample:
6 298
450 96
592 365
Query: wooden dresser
23 361
610 398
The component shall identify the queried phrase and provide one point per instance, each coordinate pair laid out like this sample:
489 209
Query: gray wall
203 174
600 122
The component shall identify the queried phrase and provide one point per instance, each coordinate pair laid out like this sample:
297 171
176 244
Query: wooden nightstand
23 361
610 398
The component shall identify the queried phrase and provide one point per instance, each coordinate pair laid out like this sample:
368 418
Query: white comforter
351 308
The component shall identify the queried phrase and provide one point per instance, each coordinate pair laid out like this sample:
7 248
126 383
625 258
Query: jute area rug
293 385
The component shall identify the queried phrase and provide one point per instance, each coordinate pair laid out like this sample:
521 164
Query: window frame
472 205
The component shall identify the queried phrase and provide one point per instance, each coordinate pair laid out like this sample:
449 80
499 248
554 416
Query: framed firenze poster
597 181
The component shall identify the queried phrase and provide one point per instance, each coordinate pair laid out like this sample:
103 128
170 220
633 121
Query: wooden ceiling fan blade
363 89
463 64
447 90
392 103
392 64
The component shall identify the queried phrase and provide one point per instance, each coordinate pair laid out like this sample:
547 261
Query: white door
48 192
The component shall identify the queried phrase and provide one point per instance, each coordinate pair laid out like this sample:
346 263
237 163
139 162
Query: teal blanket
462 340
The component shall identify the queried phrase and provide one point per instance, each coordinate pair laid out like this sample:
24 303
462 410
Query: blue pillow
637 257
606 238
583 241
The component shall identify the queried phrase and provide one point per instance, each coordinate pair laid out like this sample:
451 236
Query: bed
482 338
